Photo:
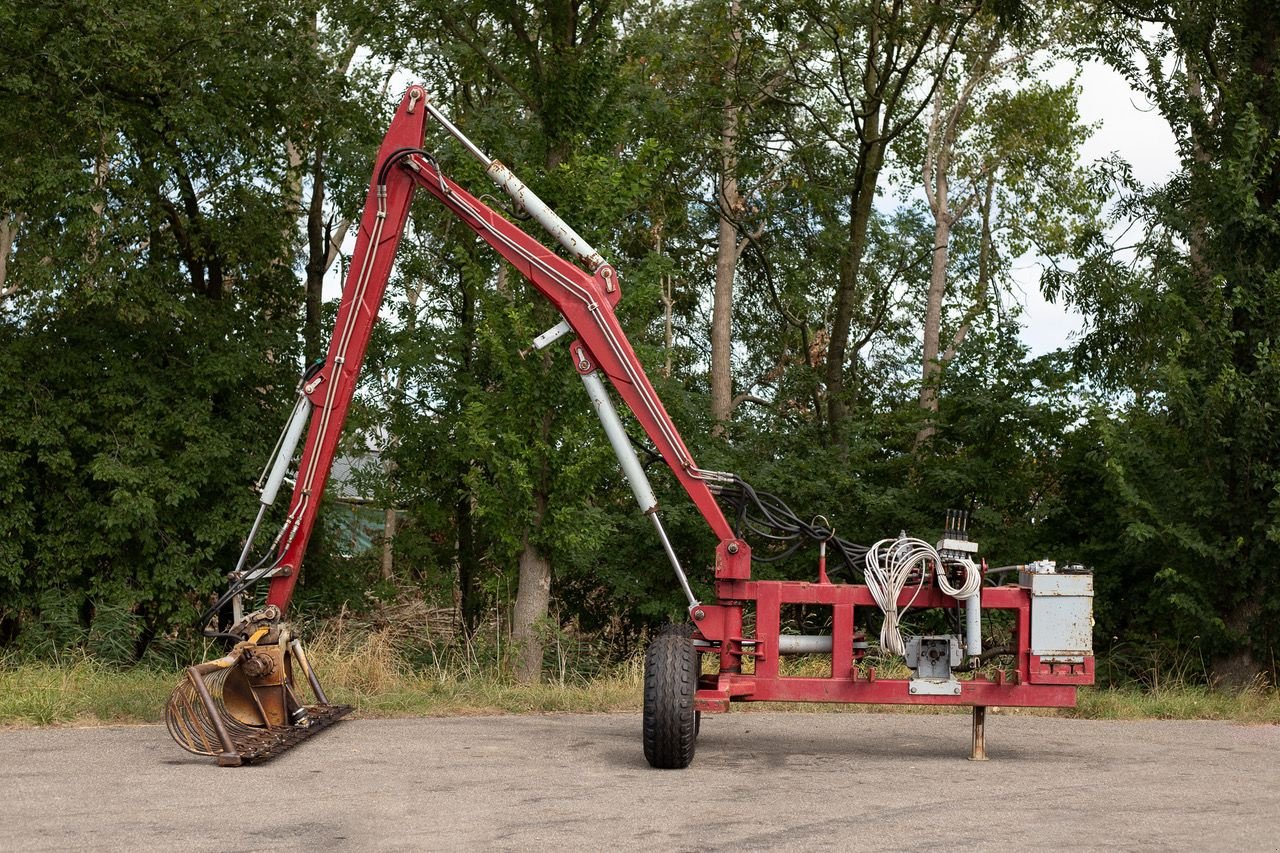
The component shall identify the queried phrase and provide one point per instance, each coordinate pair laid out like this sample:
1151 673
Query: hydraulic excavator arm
585 299
247 705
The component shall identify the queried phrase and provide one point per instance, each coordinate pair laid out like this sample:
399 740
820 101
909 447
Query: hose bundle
890 563
767 517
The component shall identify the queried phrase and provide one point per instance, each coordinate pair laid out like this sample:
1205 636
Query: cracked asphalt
759 781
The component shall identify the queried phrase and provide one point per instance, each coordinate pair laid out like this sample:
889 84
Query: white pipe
543 215
804 644
292 433
973 624
621 444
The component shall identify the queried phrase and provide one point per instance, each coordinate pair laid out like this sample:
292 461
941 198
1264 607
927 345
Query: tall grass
381 672
392 670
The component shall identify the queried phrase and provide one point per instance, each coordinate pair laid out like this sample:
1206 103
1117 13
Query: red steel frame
586 300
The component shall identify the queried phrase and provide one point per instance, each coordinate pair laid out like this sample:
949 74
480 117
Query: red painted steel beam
585 299
381 228
884 691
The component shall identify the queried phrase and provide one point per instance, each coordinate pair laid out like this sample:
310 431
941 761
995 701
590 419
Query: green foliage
1185 338
157 158
125 454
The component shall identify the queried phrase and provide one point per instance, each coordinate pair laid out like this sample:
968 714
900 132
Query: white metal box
1061 612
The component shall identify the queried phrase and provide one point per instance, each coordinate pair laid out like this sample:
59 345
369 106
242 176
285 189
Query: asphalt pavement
759 781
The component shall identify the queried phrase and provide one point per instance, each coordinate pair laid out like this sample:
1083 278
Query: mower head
246 706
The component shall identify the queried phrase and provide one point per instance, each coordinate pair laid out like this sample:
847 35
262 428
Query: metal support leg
296 647
979 750
229 757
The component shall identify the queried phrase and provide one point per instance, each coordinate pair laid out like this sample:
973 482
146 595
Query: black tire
682 629
670 723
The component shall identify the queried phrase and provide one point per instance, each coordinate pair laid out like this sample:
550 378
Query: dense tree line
816 205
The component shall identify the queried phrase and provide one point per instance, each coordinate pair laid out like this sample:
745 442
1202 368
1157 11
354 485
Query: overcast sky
1128 126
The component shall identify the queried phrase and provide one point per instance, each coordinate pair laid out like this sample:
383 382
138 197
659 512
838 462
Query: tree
871 70
556 64
1002 146
152 318
1187 336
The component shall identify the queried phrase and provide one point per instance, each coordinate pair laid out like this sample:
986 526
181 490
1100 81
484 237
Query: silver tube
804 644
617 434
523 196
237 610
458 135
631 467
295 646
675 561
973 624
545 216
293 432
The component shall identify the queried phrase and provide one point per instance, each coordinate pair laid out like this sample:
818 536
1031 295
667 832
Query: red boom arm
585 300
1050 613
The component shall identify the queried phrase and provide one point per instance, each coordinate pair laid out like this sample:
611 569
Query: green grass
370 672
81 691
374 680
1186 702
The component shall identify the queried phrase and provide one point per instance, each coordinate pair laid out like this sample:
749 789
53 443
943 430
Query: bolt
733 548
699 614
913 690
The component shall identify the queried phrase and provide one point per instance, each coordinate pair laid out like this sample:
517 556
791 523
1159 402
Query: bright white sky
1126 125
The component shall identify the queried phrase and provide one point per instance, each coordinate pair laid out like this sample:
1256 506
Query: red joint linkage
733 560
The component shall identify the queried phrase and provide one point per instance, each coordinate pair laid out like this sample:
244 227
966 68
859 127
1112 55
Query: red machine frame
586 300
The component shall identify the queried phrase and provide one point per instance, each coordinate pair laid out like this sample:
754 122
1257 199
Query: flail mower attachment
246 706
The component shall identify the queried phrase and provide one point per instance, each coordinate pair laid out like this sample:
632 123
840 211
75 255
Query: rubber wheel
683 629
670 723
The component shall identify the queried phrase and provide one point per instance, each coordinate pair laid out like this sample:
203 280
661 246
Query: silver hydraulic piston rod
804 644
631 467
525 197
284 450
269 483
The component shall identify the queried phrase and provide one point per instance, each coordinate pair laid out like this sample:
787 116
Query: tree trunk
534 592
944 130
1240 668
470 598
721 321
10 222
860 206
861 199
730 209
388 549
532 599
101 172
931 367
317 262
665 282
